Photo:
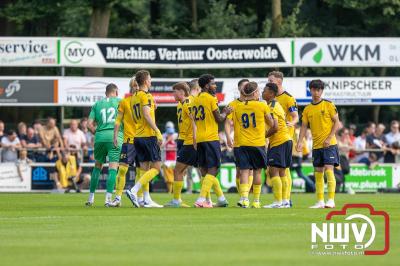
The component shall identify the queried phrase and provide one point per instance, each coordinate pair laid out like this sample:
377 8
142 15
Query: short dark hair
110 88
141 76
205 79
242 81
316 84
11 132
272 87
182 86
250 87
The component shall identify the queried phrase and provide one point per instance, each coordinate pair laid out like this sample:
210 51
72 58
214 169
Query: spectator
37 126
73 136
67 174
394 134
10 145
374 139
344 143
1 130
88 135
226 152
83 179
360 145
51 137
352 136
169 146
297 158
392 141
22 162
21 130
307 154
88 153
345 146
31 141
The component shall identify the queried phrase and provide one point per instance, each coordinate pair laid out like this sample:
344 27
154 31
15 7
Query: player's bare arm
91 126
228 128
220 117
335 127
303 129
152 124
272 124
117 125
295 119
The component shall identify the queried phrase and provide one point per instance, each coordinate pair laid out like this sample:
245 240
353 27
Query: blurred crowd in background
44 142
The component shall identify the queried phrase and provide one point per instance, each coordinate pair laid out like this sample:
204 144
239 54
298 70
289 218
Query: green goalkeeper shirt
104 112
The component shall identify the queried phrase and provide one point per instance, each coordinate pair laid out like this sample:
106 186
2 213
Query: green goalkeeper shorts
104 149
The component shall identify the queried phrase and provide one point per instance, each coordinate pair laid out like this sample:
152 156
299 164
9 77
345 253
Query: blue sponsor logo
39 174
308 92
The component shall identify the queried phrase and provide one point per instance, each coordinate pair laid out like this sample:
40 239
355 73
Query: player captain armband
293 109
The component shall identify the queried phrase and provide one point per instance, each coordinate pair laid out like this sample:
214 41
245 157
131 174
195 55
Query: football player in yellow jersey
128 152
252 117
207 116
236 128
186 153
322 117
289 105
148 138
279 149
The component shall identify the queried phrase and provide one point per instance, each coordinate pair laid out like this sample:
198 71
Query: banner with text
178 54
15 177
86 91
28 51
346 52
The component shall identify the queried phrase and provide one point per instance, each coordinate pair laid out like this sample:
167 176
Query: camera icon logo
357 229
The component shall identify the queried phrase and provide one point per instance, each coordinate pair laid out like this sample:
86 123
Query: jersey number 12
108 116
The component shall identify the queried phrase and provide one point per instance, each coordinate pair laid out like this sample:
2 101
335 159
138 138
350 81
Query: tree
276 18
99 24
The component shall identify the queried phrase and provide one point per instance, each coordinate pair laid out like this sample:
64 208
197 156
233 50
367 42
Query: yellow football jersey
282 135
125 117
138 101
251 118
203 107
184 122
236 124
319 118
288 103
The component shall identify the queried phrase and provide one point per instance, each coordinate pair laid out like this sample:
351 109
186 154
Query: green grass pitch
56 229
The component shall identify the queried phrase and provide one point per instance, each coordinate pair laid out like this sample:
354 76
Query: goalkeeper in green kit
104 113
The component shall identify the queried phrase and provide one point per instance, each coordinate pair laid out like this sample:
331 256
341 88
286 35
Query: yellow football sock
319 185
256 192
148 176
244 190
285 187
137 177
250 181
208 196
330 178
217 188
177 190
238 185
206 185
289 184
121 179
277 188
